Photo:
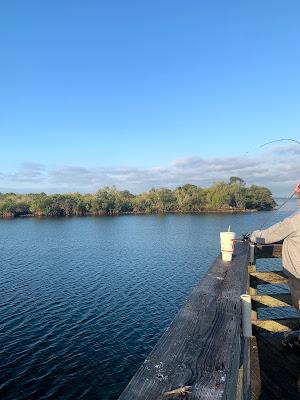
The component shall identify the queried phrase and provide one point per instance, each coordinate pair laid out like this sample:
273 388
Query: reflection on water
83 300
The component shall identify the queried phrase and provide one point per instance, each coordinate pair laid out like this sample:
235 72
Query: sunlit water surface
84 300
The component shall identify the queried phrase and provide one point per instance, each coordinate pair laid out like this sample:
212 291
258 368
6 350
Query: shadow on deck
279 369
274 370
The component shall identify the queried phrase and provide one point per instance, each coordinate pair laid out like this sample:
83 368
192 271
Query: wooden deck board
281 325
257 278
274 372
279 370
276 300
255 383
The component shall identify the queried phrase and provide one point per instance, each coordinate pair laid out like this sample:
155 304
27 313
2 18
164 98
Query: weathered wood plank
246 385
282 325
255 381
253 315
276 300
251 268
271 302
252 291
201 348
268 251
273 278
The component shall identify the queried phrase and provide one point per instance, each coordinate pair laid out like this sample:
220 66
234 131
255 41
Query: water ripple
84 300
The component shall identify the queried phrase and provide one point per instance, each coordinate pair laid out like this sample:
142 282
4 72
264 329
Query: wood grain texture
270 326
202 346
276 300
255 382
274 372
246 386
261 278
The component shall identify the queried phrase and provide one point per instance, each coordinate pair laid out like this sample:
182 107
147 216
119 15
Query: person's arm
297 193
275 233
278 231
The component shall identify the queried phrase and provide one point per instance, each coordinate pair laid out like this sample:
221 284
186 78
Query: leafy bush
110 201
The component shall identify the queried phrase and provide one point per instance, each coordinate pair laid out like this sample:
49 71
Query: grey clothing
294 285
287 230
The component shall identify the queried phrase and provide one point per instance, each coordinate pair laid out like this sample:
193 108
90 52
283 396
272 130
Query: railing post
246 315
252 253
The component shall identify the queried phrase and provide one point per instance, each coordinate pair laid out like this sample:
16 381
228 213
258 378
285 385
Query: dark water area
84 300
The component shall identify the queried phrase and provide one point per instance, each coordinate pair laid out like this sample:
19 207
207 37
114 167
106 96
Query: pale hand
297 190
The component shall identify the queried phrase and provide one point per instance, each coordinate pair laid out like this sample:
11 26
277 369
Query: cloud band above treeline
278 169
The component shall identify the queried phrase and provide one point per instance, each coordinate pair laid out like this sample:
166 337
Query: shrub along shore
220 197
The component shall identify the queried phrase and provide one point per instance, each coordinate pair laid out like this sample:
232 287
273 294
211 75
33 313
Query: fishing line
292 195
279 140
277 209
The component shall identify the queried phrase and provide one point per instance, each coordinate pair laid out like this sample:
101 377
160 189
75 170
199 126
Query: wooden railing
203 351
265 300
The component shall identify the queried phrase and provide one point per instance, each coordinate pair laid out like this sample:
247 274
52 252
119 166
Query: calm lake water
84 300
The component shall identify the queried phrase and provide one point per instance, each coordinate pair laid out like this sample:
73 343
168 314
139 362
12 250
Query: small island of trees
221 196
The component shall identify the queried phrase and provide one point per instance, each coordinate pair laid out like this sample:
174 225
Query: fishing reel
246 237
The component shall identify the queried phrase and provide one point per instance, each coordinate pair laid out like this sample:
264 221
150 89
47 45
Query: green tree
259 197
190 198
109 200
236 180
219 196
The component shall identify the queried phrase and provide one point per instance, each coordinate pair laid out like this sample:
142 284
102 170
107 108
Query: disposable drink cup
227 245
226 256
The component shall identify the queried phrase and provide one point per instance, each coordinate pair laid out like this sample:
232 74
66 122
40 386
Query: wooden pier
274 372
203 354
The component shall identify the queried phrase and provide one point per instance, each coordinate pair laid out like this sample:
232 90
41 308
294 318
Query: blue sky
97 92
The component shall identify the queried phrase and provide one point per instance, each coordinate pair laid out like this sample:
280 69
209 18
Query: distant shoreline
233 211
221 197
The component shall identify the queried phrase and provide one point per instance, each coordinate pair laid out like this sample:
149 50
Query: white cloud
277 168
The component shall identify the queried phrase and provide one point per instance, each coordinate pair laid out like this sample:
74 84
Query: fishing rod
246 236
280 140
277 209
293 193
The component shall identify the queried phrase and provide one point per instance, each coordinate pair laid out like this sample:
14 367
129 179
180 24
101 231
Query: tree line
221 196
